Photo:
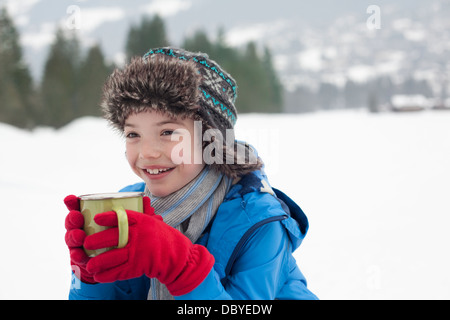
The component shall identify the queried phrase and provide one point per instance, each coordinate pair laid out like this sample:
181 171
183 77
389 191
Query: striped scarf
189 210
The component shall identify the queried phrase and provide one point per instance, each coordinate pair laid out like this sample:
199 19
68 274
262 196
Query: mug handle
122 223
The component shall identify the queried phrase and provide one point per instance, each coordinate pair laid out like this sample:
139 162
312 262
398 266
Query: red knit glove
75 238
154 249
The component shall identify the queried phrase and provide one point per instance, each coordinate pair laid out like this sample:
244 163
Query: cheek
131 155
191 171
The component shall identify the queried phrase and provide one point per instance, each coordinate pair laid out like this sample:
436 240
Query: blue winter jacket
252 237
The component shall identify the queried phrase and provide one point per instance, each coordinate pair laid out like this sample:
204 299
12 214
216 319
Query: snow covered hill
374 187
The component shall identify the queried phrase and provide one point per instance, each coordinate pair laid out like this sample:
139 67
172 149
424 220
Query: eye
131 135
167 132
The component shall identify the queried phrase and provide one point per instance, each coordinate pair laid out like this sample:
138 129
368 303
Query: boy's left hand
154 249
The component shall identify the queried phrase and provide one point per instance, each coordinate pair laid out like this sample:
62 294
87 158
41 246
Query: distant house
417 102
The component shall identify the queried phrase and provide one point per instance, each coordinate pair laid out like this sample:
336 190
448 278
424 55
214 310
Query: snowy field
376 190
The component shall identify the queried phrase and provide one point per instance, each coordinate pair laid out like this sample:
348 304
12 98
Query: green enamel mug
92 204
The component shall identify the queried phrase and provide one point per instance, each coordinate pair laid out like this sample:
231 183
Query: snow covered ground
375 188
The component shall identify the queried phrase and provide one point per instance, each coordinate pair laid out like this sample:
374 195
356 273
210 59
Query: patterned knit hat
218 90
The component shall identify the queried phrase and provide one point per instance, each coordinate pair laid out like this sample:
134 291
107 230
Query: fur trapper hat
175 81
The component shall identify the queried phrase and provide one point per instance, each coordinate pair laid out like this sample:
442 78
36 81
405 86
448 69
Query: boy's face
155 143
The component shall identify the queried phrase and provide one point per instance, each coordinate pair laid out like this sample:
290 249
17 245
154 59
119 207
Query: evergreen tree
328 96
355 94
259 89
151 33
16 88
256 94
372 103
383 88
248 77
275 87
199 42
412 86
59 87
229 58
93 74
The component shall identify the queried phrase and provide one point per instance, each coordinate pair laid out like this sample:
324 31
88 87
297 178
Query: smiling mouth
157 171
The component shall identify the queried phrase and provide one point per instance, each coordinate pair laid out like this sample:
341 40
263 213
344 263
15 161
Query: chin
158 191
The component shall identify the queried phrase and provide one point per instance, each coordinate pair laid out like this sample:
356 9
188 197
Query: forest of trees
72 80
72 77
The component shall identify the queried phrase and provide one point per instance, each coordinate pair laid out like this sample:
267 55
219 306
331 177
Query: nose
150 150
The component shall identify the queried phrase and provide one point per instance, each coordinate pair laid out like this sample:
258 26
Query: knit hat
179 83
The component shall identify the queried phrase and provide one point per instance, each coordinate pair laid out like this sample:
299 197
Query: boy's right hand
74 237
